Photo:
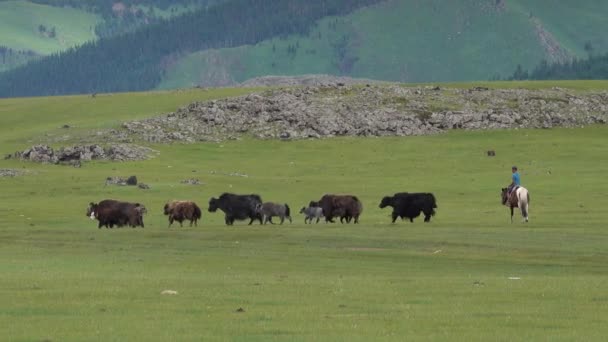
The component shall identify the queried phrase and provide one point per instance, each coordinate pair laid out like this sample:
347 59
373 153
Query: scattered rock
115 181
240 310
11 173
132 180
232 174
304 80
169 292
191 181
491 153
74 155
143 186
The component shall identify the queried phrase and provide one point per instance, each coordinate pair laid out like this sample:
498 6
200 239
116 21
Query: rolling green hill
26 27
468 275
235 40
413 41
30 29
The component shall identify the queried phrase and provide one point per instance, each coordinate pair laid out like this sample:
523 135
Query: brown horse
519 198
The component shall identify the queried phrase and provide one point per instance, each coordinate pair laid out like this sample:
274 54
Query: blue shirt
515 178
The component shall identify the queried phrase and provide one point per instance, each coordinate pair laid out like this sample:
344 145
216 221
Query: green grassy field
65 280
410 41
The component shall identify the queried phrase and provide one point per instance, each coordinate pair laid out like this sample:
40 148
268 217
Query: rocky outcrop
304 80
371 110
73 155
11 173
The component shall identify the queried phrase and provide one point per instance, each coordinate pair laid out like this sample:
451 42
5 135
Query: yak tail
287 210
197 212
359 204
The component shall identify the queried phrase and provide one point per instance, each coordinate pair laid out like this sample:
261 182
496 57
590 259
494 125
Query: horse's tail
523 204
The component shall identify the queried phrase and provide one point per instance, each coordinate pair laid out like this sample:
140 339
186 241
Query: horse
520 198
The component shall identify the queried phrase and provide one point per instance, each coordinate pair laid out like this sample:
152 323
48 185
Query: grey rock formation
371 110
11 173
73 155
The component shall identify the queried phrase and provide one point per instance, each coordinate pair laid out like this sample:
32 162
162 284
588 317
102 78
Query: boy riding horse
515 181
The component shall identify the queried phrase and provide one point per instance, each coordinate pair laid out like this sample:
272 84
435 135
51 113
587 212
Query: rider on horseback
515 181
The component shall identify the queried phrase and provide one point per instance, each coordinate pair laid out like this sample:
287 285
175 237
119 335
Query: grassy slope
19 21
65 280
411 40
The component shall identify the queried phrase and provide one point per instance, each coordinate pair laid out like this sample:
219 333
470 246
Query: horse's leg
394 216
511 214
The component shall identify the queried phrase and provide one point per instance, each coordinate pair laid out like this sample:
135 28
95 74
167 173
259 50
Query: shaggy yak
112 213
311 213
270 209
409 205
182 210
237 207
346 207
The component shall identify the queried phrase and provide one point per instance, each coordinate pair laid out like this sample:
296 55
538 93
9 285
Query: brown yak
182 210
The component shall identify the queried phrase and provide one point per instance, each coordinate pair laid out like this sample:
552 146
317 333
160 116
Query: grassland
410 41
65 280
19 22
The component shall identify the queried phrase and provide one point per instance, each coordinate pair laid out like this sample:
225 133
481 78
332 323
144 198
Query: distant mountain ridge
394 40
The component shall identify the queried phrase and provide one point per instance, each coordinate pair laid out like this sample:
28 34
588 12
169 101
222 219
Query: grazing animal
182 210
270 209
346 207
311 213
237 207
137 216
519 198
112 213
409 205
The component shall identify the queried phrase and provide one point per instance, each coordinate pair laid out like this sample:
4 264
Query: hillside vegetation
413 41
468 275
397 40
35 28
132 61
28 31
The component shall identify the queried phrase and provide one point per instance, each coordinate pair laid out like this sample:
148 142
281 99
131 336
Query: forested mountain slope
414 41
395 40
135 61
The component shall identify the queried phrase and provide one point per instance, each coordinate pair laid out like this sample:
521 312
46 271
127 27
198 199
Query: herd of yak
347 208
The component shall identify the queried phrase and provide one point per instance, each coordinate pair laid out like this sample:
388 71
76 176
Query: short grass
19 22
65 280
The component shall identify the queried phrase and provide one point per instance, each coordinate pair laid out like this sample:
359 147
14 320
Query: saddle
513 195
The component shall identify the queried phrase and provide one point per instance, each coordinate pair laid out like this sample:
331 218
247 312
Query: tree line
133 61
593 67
